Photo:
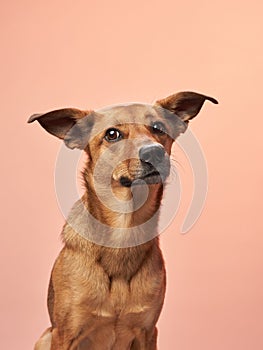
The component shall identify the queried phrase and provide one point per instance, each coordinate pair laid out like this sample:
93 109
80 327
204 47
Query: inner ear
69 124
186 105
78 135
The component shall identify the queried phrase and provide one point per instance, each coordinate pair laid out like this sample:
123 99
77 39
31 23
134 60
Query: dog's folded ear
69 124
186 105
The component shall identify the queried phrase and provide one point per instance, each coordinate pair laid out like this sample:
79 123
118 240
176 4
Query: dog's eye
113 135
158 128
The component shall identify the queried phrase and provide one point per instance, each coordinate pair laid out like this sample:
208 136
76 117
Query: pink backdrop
89 54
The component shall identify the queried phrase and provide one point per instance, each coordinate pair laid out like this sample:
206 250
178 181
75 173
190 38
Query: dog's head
132 141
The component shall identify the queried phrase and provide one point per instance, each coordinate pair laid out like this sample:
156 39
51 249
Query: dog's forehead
129 113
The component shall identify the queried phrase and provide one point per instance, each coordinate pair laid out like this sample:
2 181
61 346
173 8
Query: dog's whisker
177 165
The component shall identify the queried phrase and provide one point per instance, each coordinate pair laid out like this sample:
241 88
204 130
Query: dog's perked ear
69 124
186 105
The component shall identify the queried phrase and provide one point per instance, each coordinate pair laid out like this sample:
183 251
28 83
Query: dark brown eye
112 135
158 128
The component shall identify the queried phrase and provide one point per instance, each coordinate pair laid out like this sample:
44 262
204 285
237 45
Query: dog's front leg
145 340
59 341
152 340
65 342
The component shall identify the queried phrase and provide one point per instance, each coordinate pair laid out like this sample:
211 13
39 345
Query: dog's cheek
88 155
93 150
167 144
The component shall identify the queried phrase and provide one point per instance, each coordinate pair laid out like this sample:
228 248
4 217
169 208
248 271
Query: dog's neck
128 217
124 207
94 226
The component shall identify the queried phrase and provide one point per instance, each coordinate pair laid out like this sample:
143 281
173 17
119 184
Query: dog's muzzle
154 166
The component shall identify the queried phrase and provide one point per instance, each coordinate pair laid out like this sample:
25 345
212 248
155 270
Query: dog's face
134 142
131 142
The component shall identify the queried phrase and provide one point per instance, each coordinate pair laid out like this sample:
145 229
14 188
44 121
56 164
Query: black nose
152 154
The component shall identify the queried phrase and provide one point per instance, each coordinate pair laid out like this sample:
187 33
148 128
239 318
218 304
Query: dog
107 285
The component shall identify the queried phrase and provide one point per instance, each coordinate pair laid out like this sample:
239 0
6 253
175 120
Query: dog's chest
125 304
120 264
135 289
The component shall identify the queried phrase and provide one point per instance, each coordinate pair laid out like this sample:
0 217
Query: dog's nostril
151 153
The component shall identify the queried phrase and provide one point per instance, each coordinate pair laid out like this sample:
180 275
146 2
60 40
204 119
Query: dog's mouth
136 172
150 178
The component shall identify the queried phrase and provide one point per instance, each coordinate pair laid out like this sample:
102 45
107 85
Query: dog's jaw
153 178
145 174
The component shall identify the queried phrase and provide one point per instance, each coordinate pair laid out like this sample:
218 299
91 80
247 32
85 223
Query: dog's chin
153 178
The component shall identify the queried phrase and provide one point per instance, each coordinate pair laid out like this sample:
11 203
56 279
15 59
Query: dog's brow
118 121
149 116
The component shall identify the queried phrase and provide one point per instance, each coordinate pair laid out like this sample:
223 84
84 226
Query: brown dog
108 283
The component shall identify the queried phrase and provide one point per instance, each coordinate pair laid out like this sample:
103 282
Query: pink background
89 54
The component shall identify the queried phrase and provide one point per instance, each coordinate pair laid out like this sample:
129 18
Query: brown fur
101 297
